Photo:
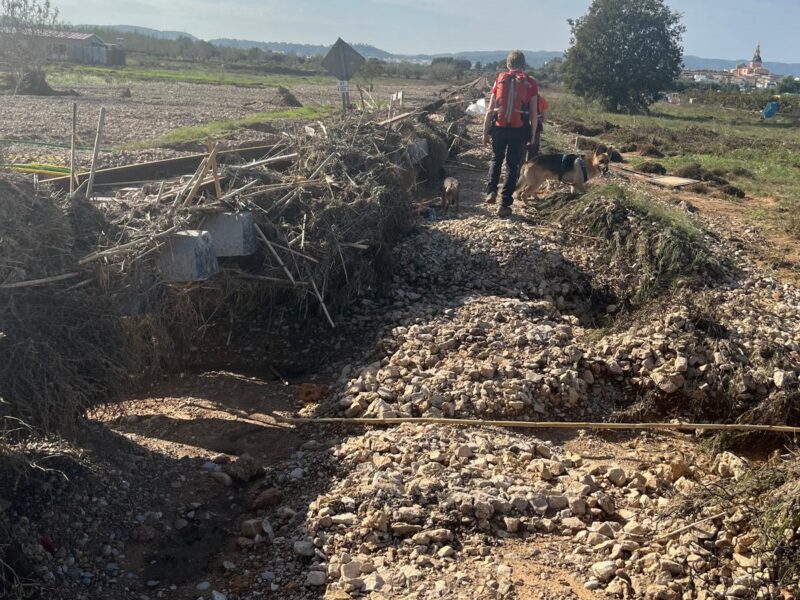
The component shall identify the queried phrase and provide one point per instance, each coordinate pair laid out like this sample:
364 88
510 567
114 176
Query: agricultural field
201 436
161 113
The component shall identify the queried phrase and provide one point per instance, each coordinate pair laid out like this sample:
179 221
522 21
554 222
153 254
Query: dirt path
766 243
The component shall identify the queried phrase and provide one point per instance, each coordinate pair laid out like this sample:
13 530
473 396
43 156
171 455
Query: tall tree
23 46
624 53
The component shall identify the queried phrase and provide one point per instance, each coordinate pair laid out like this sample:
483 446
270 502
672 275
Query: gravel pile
507 323
428 511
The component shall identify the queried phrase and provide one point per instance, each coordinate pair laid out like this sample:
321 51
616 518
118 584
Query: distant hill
153 33
535 59
365 50
695 63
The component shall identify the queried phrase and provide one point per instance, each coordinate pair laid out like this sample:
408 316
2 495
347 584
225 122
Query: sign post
343 62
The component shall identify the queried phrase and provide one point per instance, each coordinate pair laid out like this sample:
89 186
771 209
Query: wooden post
72 148
100 124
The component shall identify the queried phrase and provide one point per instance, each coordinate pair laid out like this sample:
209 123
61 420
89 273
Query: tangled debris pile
323 223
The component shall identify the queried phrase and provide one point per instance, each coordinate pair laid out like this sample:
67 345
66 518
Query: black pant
508 144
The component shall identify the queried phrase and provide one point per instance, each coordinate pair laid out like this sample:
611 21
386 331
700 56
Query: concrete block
188 256
233 234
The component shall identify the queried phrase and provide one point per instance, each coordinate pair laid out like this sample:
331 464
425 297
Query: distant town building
754 69
746 75
82 48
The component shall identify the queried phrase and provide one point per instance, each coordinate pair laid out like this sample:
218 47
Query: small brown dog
451 190
572 169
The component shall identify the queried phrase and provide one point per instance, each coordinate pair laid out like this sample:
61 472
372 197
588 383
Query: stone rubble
413 505
502 327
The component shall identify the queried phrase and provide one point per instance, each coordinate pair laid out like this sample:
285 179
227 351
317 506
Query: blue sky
715 28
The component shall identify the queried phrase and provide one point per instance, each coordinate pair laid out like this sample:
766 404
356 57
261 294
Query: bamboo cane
96 152
548 424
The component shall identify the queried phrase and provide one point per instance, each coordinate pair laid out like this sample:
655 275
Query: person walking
512 118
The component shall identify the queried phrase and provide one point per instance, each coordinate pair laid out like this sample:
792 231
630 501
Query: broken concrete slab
188 256
232 234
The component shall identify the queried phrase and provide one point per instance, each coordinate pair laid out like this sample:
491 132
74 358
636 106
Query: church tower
756 63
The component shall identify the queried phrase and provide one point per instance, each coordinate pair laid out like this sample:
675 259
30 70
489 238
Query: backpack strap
512 97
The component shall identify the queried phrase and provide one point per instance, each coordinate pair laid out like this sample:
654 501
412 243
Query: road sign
342 61
343 87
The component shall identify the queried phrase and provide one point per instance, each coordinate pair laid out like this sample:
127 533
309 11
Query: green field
75 75
218 129
67 75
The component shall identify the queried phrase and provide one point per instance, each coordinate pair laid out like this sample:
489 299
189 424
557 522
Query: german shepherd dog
572 169
451 190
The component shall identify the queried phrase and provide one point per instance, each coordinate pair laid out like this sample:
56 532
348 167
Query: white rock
729 465
617 476
373 583
304 547
671 567
604 570
464 452
782 378
351 570
316 578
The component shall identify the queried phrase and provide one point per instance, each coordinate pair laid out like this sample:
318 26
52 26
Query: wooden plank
72 148
217 185
397 118
159 169
668 181
672 182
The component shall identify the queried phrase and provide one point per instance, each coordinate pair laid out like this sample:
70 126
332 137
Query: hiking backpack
511 97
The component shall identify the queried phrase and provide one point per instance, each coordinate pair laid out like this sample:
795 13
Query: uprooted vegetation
58 357
658 245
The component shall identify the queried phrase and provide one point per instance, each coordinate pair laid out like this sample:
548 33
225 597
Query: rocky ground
198 490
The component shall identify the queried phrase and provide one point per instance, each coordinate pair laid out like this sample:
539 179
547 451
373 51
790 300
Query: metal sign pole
342 62
343 67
